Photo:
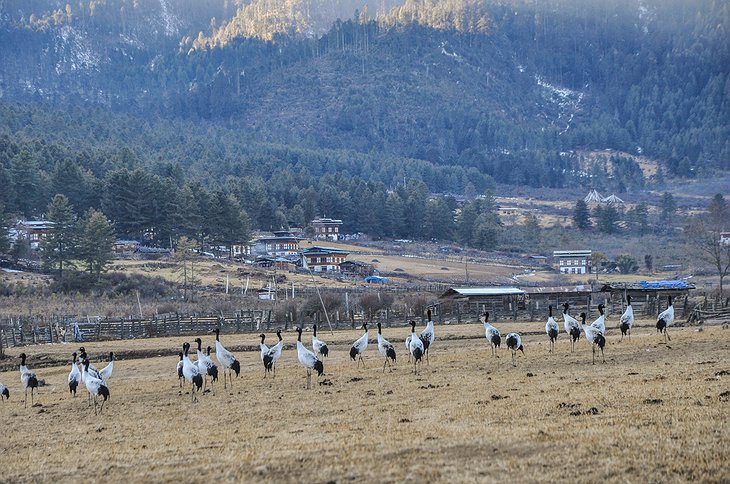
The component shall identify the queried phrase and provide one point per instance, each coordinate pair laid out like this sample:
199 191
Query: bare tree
706 237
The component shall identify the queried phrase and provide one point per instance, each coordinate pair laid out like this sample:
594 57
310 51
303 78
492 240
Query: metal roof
667 285
482 291
582 288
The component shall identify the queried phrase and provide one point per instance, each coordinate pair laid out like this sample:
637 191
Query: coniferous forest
171 117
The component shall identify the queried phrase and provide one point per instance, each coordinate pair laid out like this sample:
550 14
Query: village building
323 259
357 268
648 297
326 228
33 231
572 261
280 243
125 247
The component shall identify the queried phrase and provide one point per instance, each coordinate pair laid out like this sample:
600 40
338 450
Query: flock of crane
197 372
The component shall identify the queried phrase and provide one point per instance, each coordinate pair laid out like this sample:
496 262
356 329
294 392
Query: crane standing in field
415 347
308 360
359 347
514 343
191 372
96 387
551 328
627 319
492 334
664 320
4 392
428 335
318 345
226 359
386 348
594 336
74 376
571 325
28 379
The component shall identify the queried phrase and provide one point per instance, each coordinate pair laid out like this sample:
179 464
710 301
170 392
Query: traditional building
326 228
573 261
323 259
357 268
34 231
281 243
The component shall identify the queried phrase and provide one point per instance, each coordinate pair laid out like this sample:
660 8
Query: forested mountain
285 96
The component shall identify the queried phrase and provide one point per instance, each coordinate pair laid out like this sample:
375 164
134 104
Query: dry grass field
651 413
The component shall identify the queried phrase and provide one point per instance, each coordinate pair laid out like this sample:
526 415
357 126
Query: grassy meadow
654 412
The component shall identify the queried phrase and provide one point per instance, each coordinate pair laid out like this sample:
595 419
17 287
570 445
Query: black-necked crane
4 392
205 365
74 376
492 334
275 351
514 343
428 335
551 328
594 336
415 348
318 345
180 377
627 319
571 325
264 354
191 372
600 322
226 359
28 379
308 359
385 348
665 319
359 346
96 387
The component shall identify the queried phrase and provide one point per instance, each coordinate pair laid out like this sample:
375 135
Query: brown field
651 413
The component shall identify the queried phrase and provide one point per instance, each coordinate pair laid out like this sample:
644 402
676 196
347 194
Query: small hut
471 302
648 298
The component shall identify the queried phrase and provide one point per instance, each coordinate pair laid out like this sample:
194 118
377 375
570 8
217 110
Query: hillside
500 86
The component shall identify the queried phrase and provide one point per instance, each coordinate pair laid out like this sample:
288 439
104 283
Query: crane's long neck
299 336
550 311
217 335
279 335
263 337
314 328
199 345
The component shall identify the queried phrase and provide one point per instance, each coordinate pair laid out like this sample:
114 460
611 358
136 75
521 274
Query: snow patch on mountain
74 51
567 101
170 22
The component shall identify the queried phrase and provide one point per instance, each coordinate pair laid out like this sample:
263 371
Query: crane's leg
603 355
25 400
427 362
362 361
309 378
594 354
274 371
385 363
666 333
102 407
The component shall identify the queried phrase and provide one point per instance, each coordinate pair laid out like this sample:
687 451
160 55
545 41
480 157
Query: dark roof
670 285
579 289
466 292
317 250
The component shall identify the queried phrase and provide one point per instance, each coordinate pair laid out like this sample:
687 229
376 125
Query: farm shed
539 298
471 302
647 297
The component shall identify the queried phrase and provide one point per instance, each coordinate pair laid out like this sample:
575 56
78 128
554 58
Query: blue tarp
672 284
376 279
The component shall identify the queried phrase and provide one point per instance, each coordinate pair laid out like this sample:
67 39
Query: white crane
308 359
359 346
664 320
594 336
4 392
428 335
492 334
600 322
191 372
627 319
96 387
205 365
318 345
571 325
386 349
275 351
514 343
415 348
551 328
180 377
408 342
226 359
74 376
28 379
264 353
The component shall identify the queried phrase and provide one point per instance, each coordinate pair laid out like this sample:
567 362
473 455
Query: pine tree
59 246
581 215
96 241
668 207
